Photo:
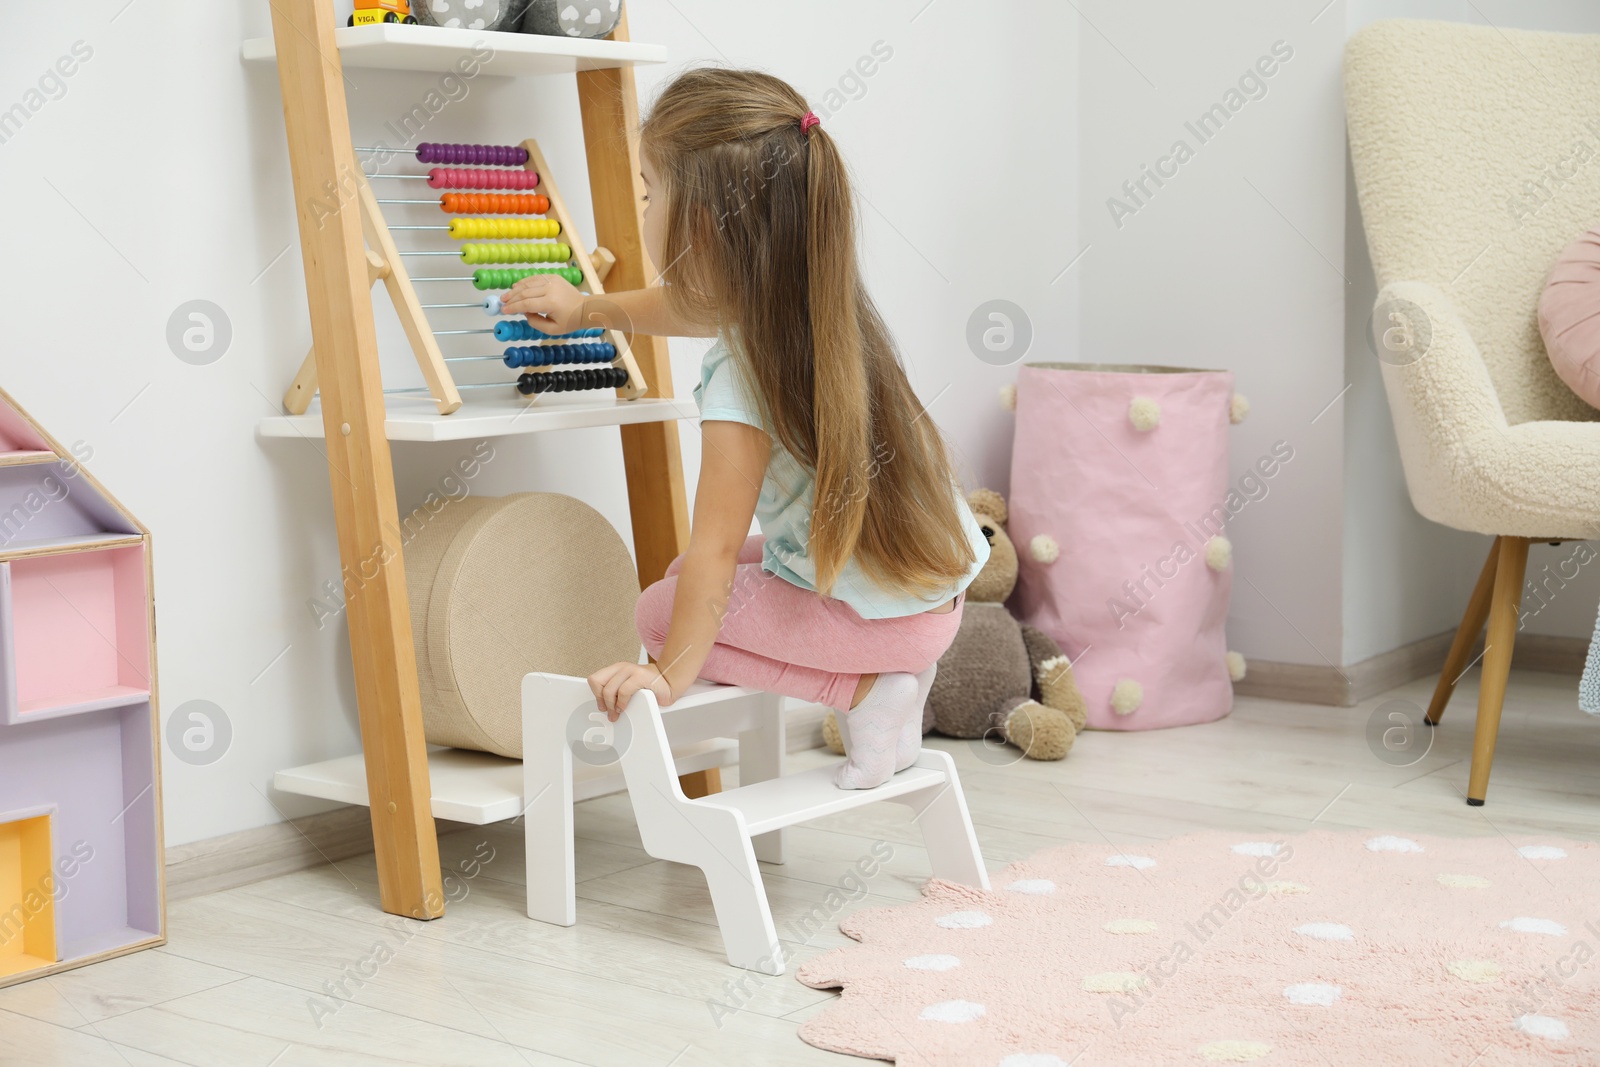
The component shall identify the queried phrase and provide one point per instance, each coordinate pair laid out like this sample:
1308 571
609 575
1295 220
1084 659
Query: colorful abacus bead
516 252
495 203
562 381
469 229
477 178
555 355
523 330
506 277
493 155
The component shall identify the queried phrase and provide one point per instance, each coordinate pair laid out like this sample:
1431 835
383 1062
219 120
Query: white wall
1235 263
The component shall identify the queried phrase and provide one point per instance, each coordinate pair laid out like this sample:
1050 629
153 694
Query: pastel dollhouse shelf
439 50
80 828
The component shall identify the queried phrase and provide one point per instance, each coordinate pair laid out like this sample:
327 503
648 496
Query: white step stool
723 834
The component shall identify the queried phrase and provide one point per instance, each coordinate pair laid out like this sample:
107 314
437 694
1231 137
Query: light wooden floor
304 970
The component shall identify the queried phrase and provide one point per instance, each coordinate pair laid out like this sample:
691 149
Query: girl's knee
654 613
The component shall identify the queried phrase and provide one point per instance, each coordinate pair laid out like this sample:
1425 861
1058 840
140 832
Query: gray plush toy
572 18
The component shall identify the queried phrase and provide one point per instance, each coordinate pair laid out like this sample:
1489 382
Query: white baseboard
1344 687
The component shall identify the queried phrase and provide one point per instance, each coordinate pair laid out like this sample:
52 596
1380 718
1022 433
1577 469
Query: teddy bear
1000 676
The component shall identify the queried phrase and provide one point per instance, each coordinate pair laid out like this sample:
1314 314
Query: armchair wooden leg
1466 635
1503 617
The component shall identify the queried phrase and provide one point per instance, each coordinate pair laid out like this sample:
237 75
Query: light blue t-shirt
787 499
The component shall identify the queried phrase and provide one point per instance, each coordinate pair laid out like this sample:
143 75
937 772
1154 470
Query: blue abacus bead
491 305
506 331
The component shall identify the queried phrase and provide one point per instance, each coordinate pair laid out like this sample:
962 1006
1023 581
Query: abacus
504 249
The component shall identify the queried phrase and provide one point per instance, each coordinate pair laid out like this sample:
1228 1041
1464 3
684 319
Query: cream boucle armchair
1476 154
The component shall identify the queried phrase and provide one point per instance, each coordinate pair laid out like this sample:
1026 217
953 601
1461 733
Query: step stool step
797 798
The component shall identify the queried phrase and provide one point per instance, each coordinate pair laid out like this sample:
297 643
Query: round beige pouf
501 586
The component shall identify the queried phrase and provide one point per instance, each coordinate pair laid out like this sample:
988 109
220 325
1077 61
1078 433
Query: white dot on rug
1256 848
1543 1026
1317 994
1033 1059
952 1011
1327 931
1542 852
935 962
1524 925
1114 982
963 920
1464 881
1387 843
1037 887
1287 889
1129 926
1234 1051
1125 860
1474 970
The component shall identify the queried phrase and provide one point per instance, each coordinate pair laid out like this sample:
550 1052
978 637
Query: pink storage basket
1119 486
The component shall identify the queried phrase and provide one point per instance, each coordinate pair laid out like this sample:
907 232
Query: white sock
909 745
874 731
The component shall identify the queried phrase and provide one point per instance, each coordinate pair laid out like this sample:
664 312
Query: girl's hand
550 302
615 685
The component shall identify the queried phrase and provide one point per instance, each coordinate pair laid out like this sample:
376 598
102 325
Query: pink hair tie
809 121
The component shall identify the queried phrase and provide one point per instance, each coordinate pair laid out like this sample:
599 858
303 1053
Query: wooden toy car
372 12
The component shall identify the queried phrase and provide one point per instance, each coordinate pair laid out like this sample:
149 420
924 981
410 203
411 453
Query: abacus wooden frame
383 262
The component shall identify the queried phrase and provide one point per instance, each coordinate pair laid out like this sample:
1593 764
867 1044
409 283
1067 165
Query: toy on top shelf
604 356
571 18
372 12
471 14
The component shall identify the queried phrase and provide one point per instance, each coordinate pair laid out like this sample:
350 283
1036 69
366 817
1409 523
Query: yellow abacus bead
477 229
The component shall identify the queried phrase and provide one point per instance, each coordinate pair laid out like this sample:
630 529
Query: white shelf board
479 788
437 49
416 419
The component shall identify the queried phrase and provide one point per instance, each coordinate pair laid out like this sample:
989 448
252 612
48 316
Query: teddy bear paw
1042 733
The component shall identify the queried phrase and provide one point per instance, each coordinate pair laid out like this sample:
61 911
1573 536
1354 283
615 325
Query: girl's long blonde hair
760 236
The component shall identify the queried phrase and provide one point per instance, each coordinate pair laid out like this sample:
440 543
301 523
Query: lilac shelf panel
45 502
97 772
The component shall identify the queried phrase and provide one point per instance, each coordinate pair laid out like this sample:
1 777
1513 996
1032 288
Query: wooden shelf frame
355 419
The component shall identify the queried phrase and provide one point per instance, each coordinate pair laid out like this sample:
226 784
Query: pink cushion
1569 316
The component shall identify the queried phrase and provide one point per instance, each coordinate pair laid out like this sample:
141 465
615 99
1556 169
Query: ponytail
840 393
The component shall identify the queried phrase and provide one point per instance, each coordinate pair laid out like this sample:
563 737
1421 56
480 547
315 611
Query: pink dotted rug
1322 949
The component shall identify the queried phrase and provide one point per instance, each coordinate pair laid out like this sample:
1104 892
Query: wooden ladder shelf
340 273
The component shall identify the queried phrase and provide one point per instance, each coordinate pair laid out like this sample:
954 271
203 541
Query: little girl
853 591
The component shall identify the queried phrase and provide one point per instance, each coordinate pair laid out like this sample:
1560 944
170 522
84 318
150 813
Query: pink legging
783 639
